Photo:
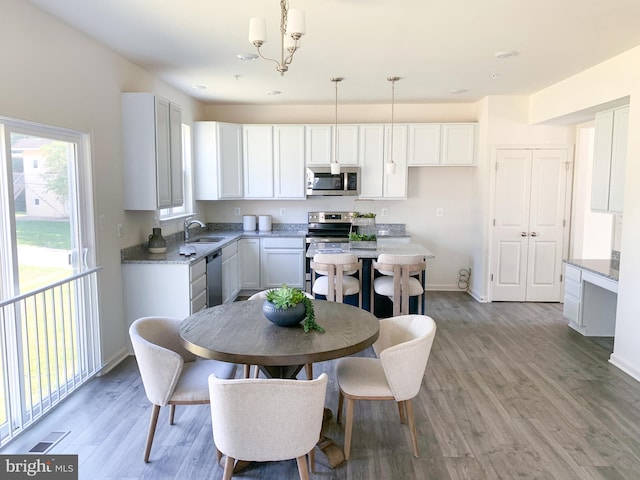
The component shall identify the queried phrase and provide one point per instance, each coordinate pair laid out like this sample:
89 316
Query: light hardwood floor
509 392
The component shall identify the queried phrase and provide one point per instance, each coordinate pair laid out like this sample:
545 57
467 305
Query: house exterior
83 91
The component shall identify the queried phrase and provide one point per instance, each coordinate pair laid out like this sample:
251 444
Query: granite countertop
606 267
396 249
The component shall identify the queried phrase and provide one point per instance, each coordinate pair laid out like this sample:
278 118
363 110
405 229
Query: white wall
616 78
53 75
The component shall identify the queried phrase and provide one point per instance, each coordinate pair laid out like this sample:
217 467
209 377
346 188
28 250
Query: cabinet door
458 143
163 153
258 161
371 154
395 184
280 266
319 145
175 157
288 151
229 156
347 139
603 142
249 263
424 144
618 159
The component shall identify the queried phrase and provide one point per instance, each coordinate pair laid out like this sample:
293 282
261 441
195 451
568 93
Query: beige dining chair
256 372
403 348
332 276
286 419
398 280
170 373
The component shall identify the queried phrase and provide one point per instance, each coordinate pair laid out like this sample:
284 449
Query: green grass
44 233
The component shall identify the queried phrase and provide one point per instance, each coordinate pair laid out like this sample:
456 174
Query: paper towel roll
249 223
264 223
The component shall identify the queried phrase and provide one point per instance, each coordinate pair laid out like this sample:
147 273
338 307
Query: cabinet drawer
229 251
573 273
198 286
198 269
573 288
283 242
571 310
199 302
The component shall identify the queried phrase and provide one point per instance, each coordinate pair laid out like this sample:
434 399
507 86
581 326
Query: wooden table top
240 333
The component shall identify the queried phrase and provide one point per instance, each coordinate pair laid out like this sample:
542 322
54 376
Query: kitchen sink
206 239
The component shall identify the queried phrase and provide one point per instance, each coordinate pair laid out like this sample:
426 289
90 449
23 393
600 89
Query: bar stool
332 276
398 280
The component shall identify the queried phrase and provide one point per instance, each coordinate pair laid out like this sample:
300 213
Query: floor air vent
44 445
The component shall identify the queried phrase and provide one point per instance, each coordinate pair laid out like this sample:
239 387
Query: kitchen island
366 255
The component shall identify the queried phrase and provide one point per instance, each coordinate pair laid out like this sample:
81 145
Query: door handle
534 234
523 234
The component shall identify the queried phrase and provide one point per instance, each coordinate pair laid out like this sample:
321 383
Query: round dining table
239 332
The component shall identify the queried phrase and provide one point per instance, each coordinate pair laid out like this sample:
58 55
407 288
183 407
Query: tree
56 175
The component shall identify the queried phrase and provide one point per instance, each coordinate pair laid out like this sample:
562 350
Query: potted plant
365 237
287 306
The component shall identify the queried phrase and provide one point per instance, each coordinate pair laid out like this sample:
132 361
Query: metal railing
49 346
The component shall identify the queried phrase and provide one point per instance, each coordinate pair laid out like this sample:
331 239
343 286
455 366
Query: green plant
364 215
361 237
286 297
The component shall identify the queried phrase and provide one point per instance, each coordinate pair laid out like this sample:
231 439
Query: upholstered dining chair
170 373
403 348
256 372
398 280
286 419
332 276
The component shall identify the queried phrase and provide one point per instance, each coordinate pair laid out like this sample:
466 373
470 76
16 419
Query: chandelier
292 28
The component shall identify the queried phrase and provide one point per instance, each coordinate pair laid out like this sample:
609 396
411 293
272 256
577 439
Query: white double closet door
529 233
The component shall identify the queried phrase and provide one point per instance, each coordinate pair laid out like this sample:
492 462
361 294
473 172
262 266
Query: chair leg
348 428
246 370
340 402
152 430
256 372
309 369
312 460
401 410
218 455
228 468
412 427
172 413
302 467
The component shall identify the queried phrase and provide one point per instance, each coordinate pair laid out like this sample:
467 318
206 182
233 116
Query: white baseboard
442 287
109 364
624 366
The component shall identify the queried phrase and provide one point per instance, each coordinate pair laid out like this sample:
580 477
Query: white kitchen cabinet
152 152
319 147
609 158
282 261
249 263
230 273
572 295
446 144
217 161
164 289
374 152
258 161
288 154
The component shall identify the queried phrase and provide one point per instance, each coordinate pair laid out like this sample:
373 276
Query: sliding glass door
48 281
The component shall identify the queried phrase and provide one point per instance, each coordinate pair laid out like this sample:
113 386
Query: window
49 335
187 207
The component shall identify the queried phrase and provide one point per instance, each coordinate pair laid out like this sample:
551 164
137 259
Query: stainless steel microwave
320 181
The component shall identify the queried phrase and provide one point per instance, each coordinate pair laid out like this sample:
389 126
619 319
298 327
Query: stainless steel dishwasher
214 278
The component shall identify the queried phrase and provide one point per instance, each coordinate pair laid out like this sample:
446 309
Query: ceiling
435 46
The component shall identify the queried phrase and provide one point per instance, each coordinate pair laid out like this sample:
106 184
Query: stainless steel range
329 227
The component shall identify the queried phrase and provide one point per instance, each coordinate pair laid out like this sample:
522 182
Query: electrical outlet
236 211
439 212
283 212
384 212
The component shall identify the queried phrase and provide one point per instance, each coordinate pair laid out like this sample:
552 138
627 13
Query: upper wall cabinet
609 157
374 152
446 144
274 161
319 148
152 152
218 160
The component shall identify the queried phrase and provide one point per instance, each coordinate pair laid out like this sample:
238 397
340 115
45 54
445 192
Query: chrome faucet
187 223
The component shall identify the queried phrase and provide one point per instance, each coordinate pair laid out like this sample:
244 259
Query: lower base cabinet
249 263
230 273
270 262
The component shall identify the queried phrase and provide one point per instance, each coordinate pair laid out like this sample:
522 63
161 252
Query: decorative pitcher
157 243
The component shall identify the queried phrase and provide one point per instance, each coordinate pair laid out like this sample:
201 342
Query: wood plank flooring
510 392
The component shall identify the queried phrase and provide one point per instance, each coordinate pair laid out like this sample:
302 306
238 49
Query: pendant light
390 166
335 164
